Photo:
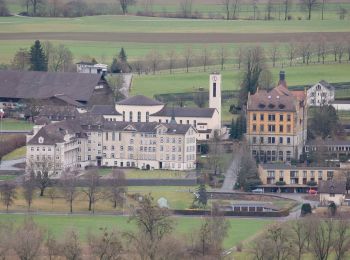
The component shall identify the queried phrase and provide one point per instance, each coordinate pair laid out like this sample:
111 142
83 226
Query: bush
311 183
306 209
239 247
251 184
332 209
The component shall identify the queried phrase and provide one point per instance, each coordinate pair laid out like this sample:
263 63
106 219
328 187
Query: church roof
185 112
140 100
104 110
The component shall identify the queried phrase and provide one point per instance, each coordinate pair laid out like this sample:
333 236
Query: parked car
258 190
312 192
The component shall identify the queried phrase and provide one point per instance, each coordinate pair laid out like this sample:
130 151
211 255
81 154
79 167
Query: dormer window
41 140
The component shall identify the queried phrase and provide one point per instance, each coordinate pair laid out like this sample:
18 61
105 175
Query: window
130 116
261 128
271 174
272 117
106 136
254 128
281 117
254 140
261 117
271 140
288 140
281 128
121 148
261 140
289 129
288 117
304 174
281 140
272 128
254 117
123 115
147 116
214 89
329 175
139 116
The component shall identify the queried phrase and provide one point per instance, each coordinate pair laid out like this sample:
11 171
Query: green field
240 229
12 124
141 174
150 85
16 154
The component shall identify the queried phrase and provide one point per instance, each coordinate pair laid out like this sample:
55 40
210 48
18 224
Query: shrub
332 208
306 209
239 247
311 183
280 183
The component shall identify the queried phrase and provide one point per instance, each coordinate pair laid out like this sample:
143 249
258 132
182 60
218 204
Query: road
9 165
232 172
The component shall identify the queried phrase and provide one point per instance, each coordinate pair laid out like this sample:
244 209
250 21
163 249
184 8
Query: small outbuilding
332 191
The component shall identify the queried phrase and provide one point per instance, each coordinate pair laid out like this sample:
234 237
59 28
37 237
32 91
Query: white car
259 190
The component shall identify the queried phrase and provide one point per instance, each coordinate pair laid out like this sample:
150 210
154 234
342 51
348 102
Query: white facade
338 199
341 105
215 96
320 94
84 67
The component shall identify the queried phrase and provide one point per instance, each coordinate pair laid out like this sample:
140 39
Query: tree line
230 9
153 238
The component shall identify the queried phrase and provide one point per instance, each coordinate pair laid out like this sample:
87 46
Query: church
141 109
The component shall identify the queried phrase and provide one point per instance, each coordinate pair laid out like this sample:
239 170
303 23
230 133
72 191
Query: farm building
320 94
332 191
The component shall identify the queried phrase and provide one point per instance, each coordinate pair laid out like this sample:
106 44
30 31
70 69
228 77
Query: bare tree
117 188
8 194
338 51
106 246
71 248
215 160
205 57
305 51
52 193
52 246
21 60
138 65
40 170
292 52
153 224
186 8
35 4
269 7
235 9
287 4
28 191
61 59
6 238
208 240
239 56
92 190
200 97
348 48
32 108
223 53
310 5
171 54
69 187
322 9
227 5
188 56
341 243
27 240
124 4
262 249
274 53
321 237
300 236
155 58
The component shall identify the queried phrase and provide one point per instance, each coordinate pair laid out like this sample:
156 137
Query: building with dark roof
69 88
332 191
92 140
276 123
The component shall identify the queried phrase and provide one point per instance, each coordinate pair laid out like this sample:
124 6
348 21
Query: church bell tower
215 94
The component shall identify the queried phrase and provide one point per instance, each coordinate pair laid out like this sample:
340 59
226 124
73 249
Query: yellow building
276 123
295 178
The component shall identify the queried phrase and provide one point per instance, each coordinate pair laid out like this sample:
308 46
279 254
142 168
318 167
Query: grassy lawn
16 154
187 82
7 177
12 124
140 174
240 229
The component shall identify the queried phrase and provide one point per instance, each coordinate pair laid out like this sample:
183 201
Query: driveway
232 172
9 165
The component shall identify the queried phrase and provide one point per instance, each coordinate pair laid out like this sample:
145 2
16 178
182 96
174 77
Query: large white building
90 140
320 94
143 109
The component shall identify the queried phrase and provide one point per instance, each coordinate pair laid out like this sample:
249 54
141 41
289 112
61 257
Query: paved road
232 172
9 165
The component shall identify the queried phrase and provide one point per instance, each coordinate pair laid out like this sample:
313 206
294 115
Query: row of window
139 115
295 174
272 128
272 117
271 140
271 155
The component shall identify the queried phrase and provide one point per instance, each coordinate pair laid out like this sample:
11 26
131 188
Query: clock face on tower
214 78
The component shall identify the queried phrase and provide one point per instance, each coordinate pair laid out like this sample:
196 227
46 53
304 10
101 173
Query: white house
91 68
320 94
332 191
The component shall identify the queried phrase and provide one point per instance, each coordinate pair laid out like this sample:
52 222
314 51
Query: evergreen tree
201 197
38 60
94 61
233 130
115 68
122 56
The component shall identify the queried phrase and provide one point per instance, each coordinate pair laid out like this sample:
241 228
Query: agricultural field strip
174 37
